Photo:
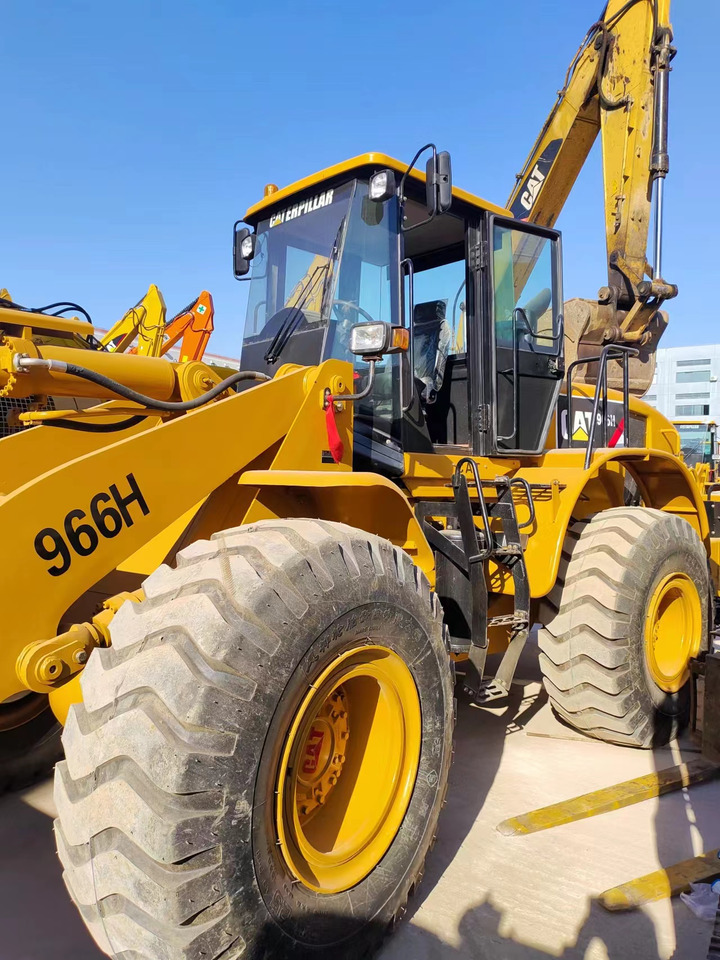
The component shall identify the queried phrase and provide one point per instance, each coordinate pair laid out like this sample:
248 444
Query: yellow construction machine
245 598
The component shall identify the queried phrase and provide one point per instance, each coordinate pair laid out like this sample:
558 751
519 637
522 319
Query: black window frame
489 360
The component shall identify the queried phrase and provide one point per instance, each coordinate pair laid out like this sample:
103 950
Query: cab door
525 332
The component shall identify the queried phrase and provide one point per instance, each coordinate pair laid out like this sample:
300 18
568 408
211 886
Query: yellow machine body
272 468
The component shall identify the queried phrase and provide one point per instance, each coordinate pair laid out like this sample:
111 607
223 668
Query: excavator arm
616 86
155 337
146 321
194 324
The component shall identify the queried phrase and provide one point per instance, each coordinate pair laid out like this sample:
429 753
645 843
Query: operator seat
431 343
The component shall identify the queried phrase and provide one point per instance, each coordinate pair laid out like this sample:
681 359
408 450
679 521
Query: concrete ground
484 896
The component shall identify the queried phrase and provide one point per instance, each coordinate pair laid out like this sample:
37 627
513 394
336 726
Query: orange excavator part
194 324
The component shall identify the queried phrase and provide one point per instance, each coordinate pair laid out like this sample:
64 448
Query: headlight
377 339
367 338
382 185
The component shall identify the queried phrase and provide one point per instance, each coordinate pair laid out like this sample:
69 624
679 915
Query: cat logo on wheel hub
323 754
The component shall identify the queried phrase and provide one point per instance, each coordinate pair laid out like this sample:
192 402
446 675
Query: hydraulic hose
86 427
172 406
62 306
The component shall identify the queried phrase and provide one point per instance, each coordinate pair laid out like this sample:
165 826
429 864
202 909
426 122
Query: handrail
407 269
489 540
611 351
522 482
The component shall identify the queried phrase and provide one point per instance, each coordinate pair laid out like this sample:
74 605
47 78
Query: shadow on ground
482 933
37 919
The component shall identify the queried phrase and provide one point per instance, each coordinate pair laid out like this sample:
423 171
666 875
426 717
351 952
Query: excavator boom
616 86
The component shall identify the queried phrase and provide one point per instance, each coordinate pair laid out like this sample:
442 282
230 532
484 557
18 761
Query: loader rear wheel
29 740
629 610
259 763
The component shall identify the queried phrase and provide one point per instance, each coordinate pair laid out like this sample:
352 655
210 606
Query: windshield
291 273
322 265
695 443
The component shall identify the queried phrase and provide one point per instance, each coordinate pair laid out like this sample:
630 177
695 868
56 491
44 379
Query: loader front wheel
629 611
29 740
261 756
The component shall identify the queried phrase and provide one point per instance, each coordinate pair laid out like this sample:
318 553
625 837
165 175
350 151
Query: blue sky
135 134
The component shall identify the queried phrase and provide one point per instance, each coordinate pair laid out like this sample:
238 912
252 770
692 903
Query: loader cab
486 308
480 293
698 444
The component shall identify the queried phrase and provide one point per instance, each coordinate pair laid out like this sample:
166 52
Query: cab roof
378 161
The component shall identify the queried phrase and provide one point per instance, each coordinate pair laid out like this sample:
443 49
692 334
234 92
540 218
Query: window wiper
334 253
294 316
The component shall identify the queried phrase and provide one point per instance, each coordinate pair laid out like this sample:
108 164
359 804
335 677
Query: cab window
523 269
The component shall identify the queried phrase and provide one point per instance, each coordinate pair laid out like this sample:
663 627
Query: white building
685 386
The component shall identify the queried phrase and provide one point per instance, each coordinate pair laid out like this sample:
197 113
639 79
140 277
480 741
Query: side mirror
243 250
438 183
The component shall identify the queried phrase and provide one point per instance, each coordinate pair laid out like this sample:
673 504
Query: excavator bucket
585 327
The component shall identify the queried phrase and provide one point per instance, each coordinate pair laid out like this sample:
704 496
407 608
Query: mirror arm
401 189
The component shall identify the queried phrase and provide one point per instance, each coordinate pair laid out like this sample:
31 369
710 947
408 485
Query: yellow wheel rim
673 631
348 769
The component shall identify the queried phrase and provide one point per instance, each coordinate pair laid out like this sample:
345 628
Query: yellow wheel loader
245 599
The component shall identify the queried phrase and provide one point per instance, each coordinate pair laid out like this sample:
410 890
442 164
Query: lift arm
616 86
68 527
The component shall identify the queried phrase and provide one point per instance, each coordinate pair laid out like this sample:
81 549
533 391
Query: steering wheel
352 306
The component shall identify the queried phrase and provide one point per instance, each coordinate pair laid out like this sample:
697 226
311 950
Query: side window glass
524 290
438 323
527 305
445 286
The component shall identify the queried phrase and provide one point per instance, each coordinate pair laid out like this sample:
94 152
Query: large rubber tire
592 646
30 749
165 799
